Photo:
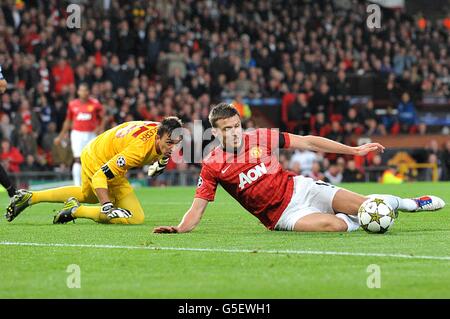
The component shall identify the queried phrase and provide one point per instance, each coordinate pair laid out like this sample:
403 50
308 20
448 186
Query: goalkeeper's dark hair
168 125
221 111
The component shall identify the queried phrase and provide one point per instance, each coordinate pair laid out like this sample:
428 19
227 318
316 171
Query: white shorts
79 140
309 196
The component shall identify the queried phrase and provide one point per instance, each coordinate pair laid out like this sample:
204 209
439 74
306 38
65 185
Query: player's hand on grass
158 167
165 230
367 148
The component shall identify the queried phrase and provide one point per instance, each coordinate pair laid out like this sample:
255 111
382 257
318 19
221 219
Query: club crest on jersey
121 161
252 175
255 152
90 108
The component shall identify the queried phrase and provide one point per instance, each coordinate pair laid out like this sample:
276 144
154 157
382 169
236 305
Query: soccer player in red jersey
247 168
85 116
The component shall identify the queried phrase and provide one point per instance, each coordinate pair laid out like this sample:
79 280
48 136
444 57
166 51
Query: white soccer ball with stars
376 216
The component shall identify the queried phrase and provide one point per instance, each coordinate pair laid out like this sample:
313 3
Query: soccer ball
376 216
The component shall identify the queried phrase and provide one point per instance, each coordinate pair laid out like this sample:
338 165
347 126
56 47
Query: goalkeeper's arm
190 219
100 185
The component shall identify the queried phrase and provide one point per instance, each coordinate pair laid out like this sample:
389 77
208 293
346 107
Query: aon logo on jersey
84 116
251 175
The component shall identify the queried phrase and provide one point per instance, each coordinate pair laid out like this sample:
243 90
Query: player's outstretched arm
321 144
190 219
66 127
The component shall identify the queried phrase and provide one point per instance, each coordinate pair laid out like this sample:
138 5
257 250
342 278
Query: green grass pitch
237 259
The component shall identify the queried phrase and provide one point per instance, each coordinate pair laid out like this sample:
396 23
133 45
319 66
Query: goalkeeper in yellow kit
105 161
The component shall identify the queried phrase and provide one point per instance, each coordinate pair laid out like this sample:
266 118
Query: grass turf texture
40 272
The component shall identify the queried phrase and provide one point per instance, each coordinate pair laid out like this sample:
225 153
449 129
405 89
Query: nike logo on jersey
251 175
225 169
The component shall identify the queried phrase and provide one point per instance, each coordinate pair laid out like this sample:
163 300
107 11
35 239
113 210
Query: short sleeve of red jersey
207 184
273 138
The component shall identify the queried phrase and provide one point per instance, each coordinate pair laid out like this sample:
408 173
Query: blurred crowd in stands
144 60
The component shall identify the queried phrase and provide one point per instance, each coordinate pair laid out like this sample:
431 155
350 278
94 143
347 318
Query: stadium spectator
25 142
301 112
61 154
336 133
433 159
373 129
10 157
341 163
316 172
243 84
351 174
375 170
342 93
422 129
368 112
389 120
25 115
49 137
303 160
407 115
333 175
319 125
354 119
321 100
6 128
31 165
63 75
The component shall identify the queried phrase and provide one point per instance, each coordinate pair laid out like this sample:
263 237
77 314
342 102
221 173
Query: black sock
6 182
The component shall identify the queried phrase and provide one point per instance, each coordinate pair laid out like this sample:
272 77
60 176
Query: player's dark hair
168 125
221 111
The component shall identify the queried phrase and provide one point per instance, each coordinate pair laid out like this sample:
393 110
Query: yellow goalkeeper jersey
114 152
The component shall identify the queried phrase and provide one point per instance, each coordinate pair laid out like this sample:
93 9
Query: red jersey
63 77
253 176
85 116
14 158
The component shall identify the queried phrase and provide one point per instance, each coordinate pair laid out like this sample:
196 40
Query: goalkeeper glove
119 213
158 167
109 210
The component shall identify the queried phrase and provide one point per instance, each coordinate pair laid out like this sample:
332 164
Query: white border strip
218 250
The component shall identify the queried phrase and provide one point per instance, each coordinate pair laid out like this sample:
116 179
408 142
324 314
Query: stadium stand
149 59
